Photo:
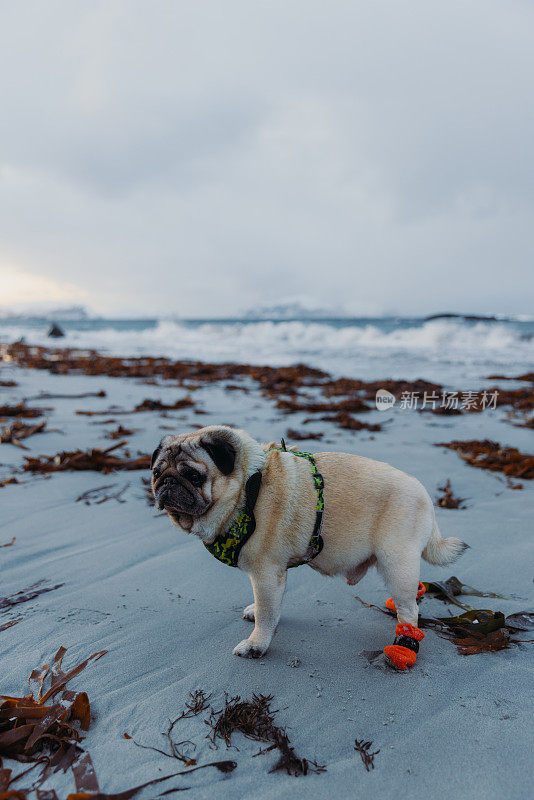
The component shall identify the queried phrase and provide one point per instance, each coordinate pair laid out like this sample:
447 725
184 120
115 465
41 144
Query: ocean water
452 351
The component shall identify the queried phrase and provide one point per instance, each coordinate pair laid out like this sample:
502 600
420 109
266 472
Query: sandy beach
168 614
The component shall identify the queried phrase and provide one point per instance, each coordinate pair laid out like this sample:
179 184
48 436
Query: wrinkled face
185 470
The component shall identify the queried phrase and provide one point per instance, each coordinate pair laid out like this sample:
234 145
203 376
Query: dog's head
199 478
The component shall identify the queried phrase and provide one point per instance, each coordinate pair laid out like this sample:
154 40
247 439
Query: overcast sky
198 158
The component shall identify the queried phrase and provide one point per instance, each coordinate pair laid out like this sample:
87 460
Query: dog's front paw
249 649
248 613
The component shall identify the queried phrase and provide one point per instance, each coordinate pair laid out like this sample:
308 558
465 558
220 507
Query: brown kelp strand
48 396
21 410
347 422
37 727
101 494
301 436
82 460
12 434
255 720
493 456
146 405
5 625
364 749
448 499
450 589
180 750
480 630
527 376
310 407
7 482
28 594
290 385
222 766
120 432
476 630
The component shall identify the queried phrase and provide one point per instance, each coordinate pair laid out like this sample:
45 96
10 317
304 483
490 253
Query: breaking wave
437 349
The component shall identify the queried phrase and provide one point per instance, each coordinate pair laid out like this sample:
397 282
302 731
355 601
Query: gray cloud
197 158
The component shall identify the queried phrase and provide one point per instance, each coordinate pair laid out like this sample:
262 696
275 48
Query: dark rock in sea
55 332
468 317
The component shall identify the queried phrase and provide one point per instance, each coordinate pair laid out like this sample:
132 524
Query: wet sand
169 614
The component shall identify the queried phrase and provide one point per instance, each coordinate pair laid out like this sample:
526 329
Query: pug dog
374 516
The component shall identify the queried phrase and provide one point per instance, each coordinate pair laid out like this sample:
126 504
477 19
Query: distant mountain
75 313
72 313
293 309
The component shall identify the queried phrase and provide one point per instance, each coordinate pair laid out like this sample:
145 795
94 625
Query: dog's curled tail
442 551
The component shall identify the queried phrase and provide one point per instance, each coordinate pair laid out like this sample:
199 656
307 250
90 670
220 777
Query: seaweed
12 434
8 481
368 389
28 594
449 590
6 625
448 500
120 433
477 630
198 702
48 396
354 405
8 544
100 494
363 749
492 456
255 720
21 410
146 405
521 621
345 421
221 766
297 436
529 423
287 386
521 400
157 405
148 493
78 460
528 376
37 727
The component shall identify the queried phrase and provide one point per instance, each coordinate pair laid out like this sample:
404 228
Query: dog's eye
194 477
156 473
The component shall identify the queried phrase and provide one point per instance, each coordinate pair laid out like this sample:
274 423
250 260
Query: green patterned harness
227 546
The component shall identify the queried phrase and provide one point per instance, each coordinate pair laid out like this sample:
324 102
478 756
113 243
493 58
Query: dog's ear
221 451
155 454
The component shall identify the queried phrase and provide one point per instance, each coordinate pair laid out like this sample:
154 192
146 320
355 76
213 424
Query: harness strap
227 546
316 543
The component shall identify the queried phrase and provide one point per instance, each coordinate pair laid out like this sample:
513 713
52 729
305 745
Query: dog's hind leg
401 573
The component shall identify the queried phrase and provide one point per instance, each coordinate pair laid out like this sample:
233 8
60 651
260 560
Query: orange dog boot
403 652
390 605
